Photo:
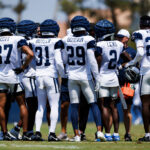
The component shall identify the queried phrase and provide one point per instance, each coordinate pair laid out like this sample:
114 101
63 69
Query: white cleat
100 136
63 136
76 138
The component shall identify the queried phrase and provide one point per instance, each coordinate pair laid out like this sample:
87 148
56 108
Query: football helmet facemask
132 74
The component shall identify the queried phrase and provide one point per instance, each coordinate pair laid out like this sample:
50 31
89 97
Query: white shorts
47 83
108 92
11 88
145 84
29 86
87 87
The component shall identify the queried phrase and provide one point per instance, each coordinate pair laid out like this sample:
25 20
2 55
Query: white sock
147 134
116 134
49 129
107 134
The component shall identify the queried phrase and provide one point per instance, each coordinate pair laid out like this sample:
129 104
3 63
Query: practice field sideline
136 131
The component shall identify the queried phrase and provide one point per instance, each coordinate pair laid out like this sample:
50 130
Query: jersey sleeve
22 42
98 51
59 45
91 44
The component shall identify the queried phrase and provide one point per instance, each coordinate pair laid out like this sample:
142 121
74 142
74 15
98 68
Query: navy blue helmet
79 23
145 21
104 29
7 25
49 27
26 27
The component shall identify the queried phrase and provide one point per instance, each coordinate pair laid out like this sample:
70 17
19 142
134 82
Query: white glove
97 86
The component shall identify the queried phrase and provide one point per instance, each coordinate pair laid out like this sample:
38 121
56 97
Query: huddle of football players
31 64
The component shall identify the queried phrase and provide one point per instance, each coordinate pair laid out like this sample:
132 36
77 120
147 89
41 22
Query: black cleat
83 137
144 139
127 137
53 137
8 137
37 137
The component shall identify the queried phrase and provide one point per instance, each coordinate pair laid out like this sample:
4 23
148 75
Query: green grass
136 132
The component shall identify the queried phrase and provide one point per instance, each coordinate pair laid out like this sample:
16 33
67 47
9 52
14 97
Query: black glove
18 70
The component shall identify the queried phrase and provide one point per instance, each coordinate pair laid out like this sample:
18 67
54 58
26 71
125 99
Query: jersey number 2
113 61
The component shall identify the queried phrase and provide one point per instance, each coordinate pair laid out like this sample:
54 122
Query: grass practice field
136 131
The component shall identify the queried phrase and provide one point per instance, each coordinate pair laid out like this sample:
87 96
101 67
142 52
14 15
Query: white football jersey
110 52
143 40
10 58
30 70
44 55
78 67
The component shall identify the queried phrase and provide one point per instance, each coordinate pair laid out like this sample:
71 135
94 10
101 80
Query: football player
80 58
27 29
108 53
142 40
48 64
10 68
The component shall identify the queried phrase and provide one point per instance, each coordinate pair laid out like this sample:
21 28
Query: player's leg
145 98
87 87
65 102
114 111
52 90
74 94
31 101
41 95
83 115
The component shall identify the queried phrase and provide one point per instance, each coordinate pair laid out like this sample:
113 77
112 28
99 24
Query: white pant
108 92
145 84
47 87
87 87
29 86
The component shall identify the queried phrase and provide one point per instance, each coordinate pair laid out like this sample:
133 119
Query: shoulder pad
21 43
91 44
59 44
136 36
98 51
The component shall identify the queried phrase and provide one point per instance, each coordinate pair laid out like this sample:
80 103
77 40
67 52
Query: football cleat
8 137
37 137
99 136
144 139
15 133
63 136
1 135
104 29
108 137
76 138
26 137
53 137
7 25
116 137
27 28
127 137
79 23
49 28
83 137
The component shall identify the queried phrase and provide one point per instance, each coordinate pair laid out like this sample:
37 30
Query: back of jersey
78 65
144 41
110 51
44 55
10 58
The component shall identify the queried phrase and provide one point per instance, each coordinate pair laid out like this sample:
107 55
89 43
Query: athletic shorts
145 84
108 92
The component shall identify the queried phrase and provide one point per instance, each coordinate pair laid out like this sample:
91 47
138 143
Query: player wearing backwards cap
80 59
108 53
10 67
142 40
123 36
27 29
48 64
